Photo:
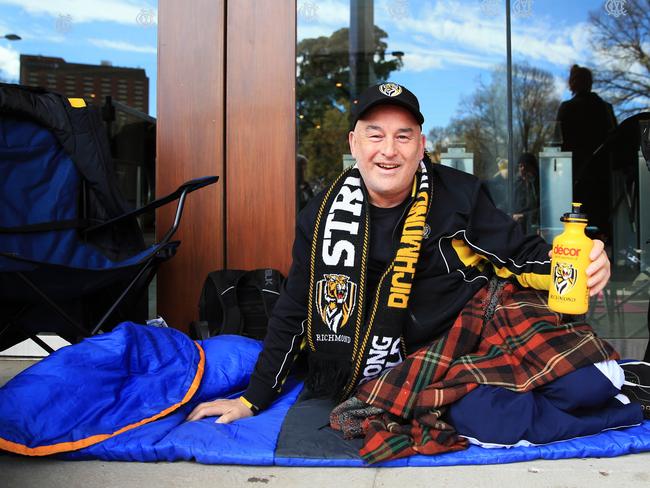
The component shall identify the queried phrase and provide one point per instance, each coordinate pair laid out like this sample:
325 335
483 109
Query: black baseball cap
386 94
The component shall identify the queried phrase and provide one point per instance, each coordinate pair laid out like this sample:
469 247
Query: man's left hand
598 272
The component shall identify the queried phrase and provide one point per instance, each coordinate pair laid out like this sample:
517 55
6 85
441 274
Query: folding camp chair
72 256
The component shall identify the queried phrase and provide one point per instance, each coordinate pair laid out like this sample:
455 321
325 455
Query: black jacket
586 120
469 241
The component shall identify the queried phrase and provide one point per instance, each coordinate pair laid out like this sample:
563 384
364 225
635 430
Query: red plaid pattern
523 345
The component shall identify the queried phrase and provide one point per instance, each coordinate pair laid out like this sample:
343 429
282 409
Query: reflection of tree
481 123
535 105
323 99
623 74
479 126
324 145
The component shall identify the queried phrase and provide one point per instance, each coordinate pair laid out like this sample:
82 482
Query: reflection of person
585 121
498 185
304 190
526 198
350 277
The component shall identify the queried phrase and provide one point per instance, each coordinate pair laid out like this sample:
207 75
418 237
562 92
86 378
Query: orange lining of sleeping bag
89 441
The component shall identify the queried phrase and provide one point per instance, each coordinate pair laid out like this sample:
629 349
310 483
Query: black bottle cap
576 214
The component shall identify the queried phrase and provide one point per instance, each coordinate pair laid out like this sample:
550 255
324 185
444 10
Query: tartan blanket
505 336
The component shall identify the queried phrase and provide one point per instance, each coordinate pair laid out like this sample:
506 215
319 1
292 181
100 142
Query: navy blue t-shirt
383 240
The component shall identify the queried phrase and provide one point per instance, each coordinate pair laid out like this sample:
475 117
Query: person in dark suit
585 122
526 198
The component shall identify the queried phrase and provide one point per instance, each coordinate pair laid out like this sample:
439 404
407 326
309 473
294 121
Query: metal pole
511 142
361 41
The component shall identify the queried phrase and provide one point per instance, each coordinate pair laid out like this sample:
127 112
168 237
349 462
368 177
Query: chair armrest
179 194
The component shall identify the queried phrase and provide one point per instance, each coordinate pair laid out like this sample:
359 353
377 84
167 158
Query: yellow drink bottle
568 292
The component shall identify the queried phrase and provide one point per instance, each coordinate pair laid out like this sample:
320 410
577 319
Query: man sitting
385 261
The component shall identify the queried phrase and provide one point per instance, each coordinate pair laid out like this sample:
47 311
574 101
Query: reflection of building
89 81
131 131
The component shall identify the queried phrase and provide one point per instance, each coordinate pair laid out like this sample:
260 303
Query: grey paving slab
43 473
10 368
621 472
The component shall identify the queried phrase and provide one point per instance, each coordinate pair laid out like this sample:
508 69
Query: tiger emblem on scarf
564 277
336 297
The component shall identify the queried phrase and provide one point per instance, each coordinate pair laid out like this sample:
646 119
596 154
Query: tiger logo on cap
390 89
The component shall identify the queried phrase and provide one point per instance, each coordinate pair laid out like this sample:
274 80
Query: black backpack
238 302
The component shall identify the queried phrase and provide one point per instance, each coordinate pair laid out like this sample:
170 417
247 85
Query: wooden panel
190 144
260 133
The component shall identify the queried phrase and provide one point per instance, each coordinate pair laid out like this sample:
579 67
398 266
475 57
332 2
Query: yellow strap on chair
77 102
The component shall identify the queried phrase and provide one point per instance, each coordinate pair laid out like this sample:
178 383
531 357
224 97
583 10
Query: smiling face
388 146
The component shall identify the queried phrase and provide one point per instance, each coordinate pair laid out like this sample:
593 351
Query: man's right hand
227 410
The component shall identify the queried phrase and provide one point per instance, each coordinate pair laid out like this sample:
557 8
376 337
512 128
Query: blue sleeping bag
125 395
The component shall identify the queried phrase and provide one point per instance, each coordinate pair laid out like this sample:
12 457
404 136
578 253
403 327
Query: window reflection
330 75
453 59
452 55
104 52
592 153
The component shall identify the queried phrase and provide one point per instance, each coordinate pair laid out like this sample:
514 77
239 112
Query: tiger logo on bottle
564 277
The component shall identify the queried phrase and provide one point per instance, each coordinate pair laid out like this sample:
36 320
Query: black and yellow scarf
352 336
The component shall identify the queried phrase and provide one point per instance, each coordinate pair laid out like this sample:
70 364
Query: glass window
99 51
574 140
452 59
95 51
556 145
